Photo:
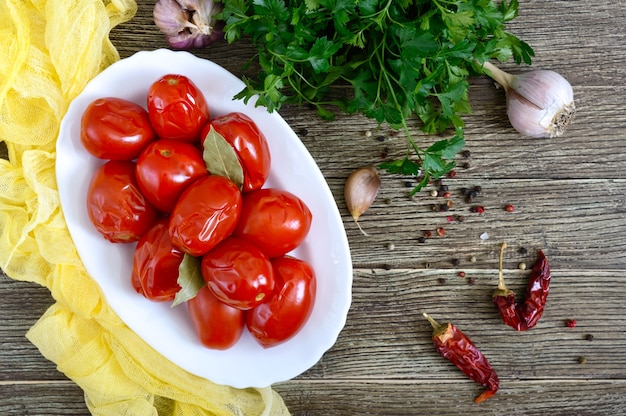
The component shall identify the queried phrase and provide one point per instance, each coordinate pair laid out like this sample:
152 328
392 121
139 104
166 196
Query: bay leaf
220 157
190 279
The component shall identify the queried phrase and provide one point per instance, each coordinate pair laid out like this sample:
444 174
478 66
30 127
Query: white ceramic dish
168 330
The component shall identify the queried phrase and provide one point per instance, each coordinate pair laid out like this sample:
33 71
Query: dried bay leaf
221 159
190 279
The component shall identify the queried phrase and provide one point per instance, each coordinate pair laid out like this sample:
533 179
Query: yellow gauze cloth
49 50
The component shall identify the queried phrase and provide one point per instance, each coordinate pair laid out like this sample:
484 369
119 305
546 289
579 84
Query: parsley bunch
386 59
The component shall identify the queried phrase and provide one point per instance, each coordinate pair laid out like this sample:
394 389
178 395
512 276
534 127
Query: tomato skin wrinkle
116 207
177 108
205 214
155 264
250 144
275 220
238 273
283 315
165 168
217 325
115 129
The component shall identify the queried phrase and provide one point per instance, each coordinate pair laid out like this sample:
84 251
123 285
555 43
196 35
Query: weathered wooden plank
386 336
580 223
42 399
428 396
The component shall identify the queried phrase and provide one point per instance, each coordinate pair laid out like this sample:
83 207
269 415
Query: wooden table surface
570 201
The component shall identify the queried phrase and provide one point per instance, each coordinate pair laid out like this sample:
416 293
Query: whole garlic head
540 103
188 24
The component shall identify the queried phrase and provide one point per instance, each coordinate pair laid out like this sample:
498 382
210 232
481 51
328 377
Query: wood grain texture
570 201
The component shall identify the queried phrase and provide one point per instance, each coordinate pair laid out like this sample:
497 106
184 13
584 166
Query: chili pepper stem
501 284
436 325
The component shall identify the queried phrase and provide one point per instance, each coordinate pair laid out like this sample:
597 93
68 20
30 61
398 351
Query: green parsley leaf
386 59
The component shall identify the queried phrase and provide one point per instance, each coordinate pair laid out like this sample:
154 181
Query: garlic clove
360 191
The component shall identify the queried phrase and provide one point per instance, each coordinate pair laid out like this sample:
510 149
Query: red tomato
205 214
242 133
277 221
177 108
217 325
115 205
283 314
156 263
165 168
238 273
116 129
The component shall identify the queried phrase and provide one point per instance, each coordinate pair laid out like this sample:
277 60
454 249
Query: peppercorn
570 323
421 240
523 251
472 259
303 131
456 262
446 194
391 246
465 165
444 188
428 233
466 153
521 266
441 280
380 138
408 184
464 191
478 209
443 208
478 188
589 337
471 281
441 231
460 218
387 266
367 133
461 274
509 208
433 192
452 174
582 360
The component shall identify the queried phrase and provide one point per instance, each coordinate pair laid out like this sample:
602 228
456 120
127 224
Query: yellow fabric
49 50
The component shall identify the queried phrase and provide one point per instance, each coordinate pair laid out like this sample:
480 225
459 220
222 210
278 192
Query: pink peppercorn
509 208
571 323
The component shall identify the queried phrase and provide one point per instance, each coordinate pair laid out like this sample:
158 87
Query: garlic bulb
188 24
539 103
360 191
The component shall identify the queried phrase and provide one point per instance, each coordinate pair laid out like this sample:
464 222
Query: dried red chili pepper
455 346
523 316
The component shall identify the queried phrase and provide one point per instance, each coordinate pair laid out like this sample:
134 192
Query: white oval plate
169 330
